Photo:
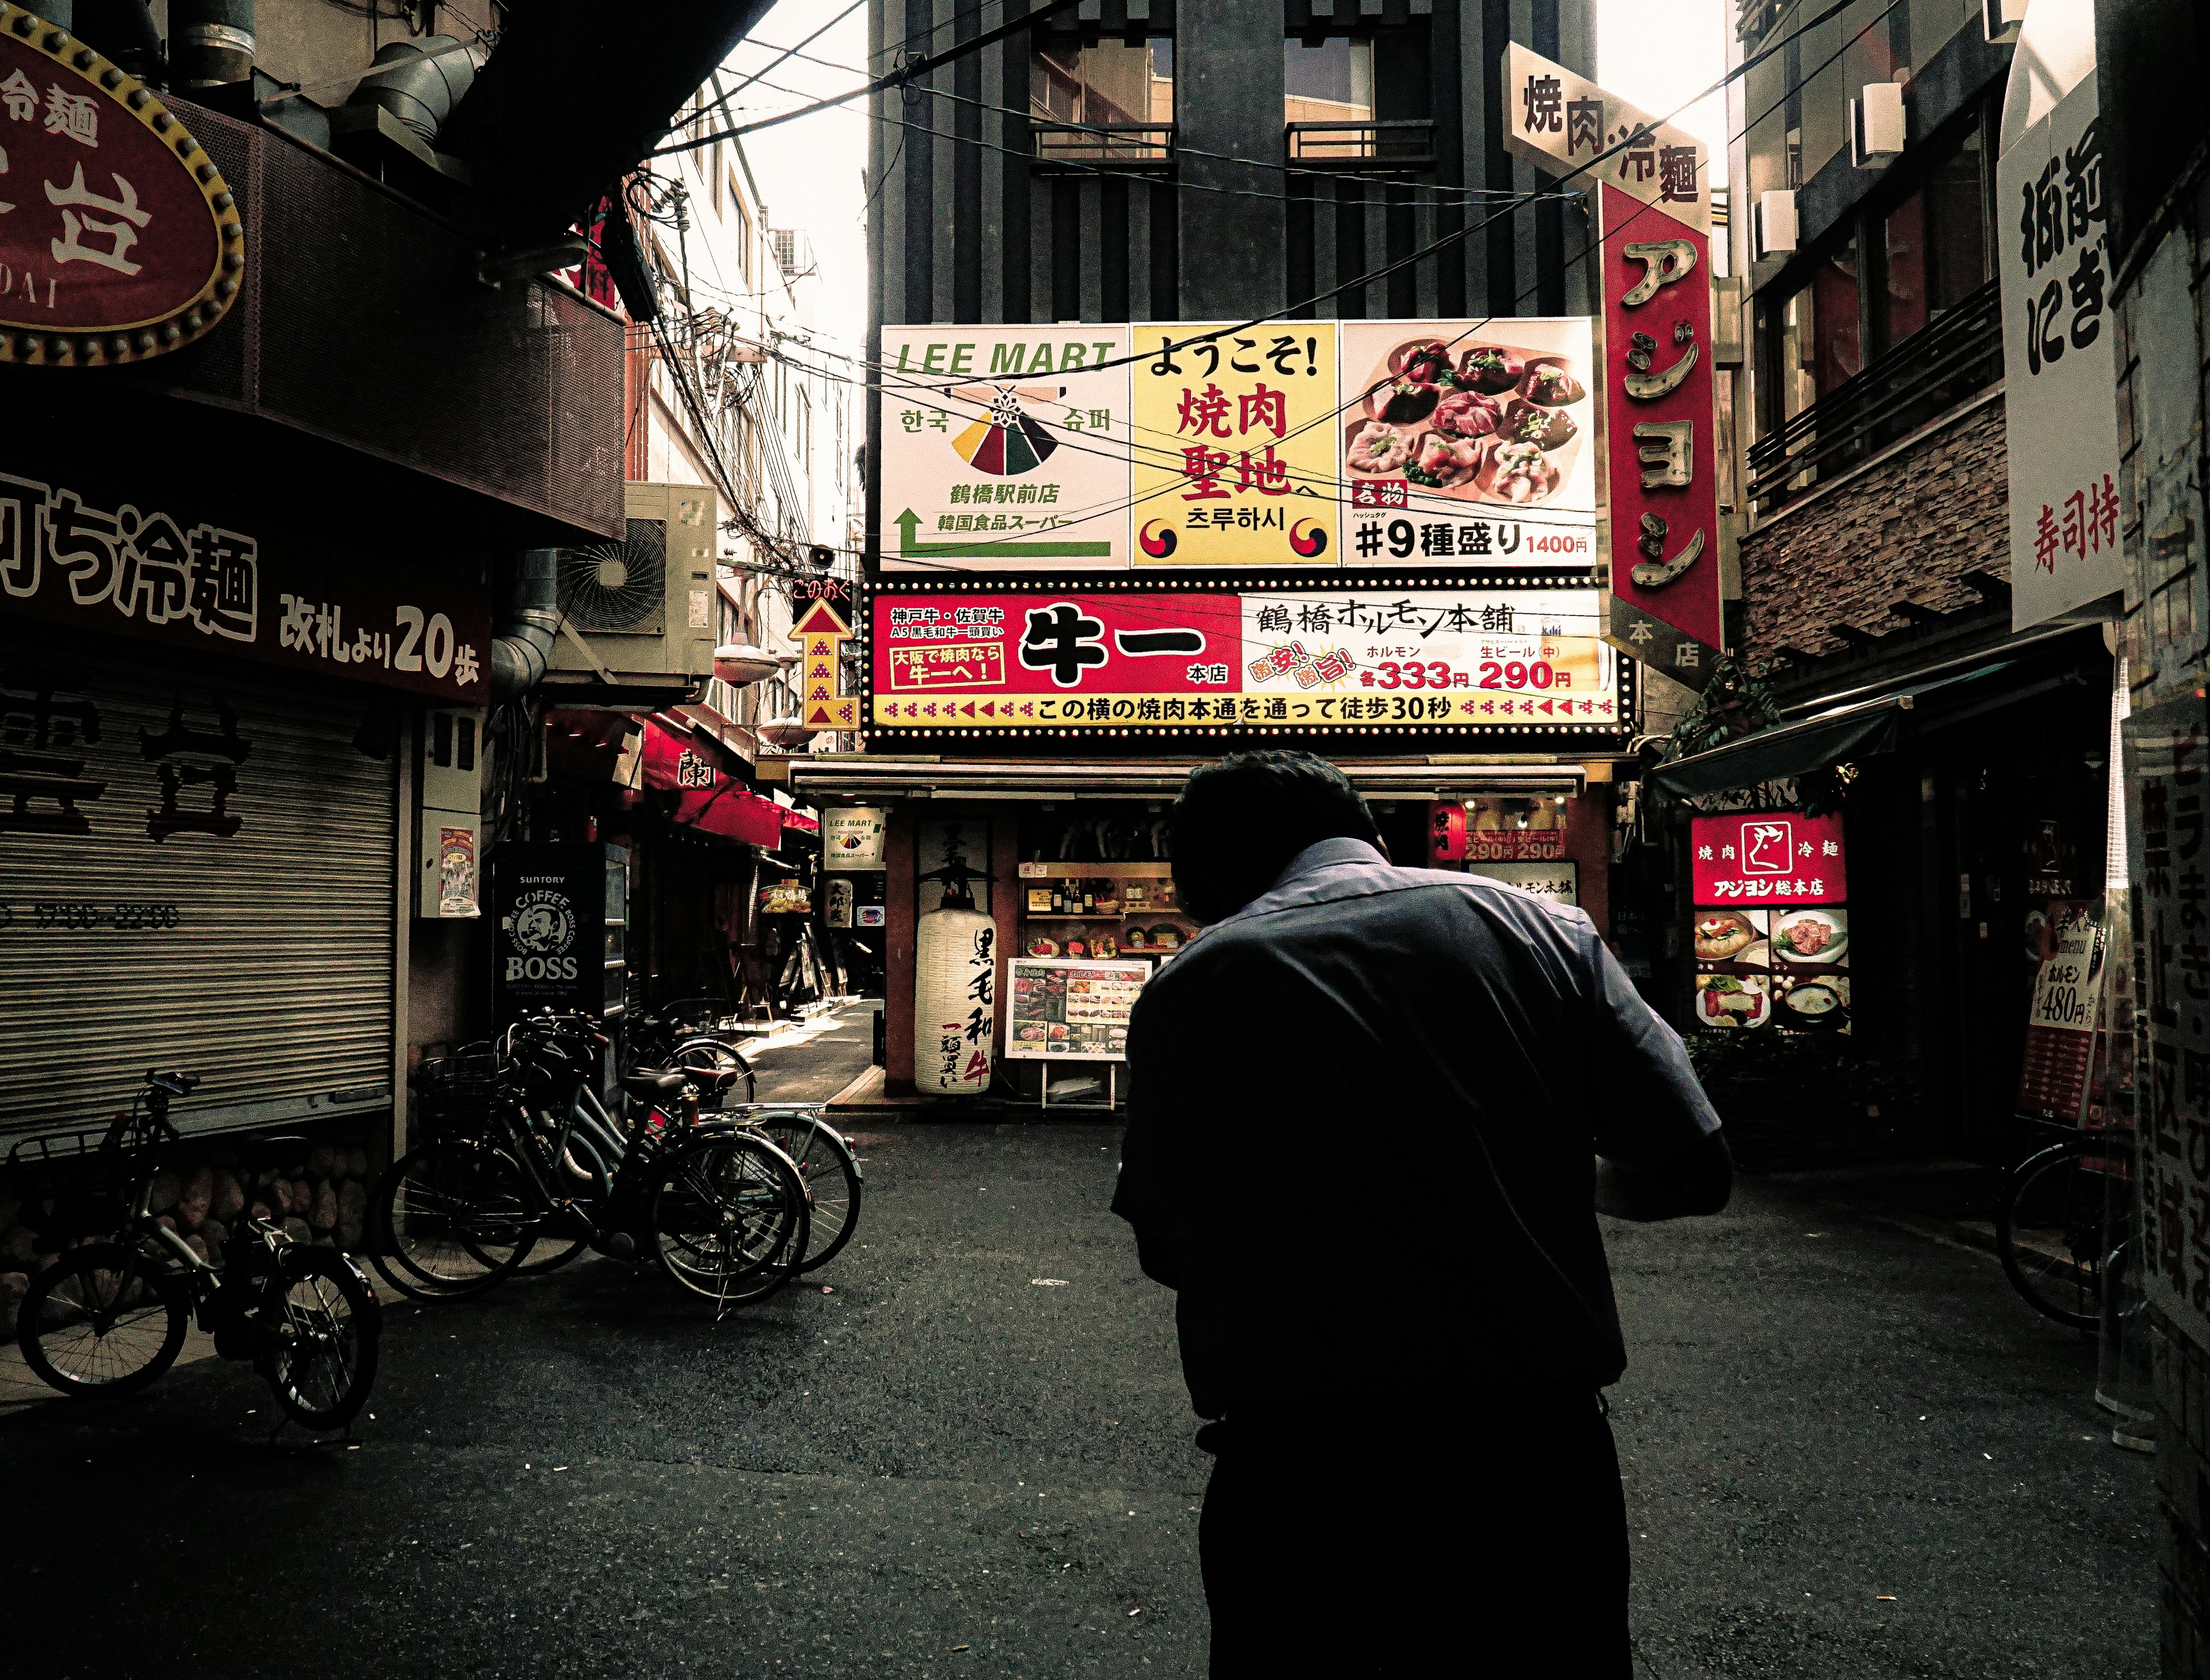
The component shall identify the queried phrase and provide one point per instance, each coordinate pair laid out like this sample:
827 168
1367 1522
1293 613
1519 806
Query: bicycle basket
71 1186
453 1093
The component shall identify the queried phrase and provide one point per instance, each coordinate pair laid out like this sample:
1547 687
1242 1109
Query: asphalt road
969 1454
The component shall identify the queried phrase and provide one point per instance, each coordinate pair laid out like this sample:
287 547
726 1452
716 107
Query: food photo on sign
1468 442
1770 931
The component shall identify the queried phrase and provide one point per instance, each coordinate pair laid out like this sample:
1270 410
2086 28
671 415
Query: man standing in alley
1373 1114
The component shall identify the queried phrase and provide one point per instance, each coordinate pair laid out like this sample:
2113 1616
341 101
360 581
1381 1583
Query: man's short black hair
1238 823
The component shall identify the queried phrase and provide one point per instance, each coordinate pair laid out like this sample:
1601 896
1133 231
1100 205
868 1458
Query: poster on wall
2167 751
1654 206
1078 1010
2060 406
851 838
1005 446
1507 654
1469 440
1559 882
1234 450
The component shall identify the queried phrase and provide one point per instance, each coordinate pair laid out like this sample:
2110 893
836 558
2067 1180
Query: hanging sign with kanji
129 558
1005 446
822 619
1655 222
118 237
2059 401
1500 656
1235 445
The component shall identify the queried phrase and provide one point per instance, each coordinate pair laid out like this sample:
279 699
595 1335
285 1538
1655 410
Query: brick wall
2183 1493
1906 529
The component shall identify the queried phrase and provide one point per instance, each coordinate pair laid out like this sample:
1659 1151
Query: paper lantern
954 983
1447 831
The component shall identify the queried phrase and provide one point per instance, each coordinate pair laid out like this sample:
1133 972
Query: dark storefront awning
1861 728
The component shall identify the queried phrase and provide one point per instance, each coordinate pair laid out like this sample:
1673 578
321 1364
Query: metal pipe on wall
210 42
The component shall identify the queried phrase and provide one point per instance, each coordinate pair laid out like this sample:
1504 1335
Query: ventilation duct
210 42
529 617
419 82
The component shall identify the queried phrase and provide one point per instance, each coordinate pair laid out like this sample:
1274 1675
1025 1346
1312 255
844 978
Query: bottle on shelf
1089 898
1058 899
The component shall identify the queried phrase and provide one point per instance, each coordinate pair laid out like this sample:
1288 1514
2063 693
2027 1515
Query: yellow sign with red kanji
1235 445
820 628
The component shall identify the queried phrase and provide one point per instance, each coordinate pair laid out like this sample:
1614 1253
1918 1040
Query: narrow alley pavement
964 1449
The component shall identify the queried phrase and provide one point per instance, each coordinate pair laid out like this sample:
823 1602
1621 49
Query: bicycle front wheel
451 1220
320 1325
831 1172
728 1218
2049 1233
102 1320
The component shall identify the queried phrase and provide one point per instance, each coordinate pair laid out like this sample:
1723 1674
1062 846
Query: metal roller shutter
198 870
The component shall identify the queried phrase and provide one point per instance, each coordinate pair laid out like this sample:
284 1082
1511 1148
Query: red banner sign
118 237
1662 438
705 796
1775 857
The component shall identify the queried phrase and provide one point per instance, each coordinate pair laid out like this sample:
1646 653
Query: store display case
1100 911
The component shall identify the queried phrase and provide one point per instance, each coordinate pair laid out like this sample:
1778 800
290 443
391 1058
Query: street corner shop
1028 732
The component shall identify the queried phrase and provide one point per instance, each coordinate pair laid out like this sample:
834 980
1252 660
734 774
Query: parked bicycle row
520 1165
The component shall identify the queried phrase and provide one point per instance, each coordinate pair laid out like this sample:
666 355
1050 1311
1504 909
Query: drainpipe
528 620
210 43
124 31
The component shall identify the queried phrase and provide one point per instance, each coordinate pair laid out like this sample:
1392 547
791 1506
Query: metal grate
361 321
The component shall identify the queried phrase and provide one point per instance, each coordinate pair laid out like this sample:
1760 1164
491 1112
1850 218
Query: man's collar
1325 855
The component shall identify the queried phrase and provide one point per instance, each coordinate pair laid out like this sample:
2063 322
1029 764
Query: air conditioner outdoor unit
1876 124
638 612
1774 231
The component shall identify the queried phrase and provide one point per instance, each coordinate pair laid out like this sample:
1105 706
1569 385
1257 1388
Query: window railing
1933 370
1081 147
1406 143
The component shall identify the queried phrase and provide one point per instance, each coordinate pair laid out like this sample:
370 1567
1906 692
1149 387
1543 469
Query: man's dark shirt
1364 1117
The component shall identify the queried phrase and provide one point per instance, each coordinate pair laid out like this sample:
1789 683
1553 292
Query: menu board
1780 963
2059 1032
1073 1009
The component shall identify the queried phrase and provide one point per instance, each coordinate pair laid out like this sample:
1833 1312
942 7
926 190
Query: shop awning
690 764
821 776
1860 729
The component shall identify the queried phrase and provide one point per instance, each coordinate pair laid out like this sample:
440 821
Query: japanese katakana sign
1472 440
2060 407
119 239
1001 446
1235 445
1777 857
123 561
1492 658
1653 191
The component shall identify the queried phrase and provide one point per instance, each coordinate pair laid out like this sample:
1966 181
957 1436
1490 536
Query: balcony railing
1407 144
1082 148
1932 371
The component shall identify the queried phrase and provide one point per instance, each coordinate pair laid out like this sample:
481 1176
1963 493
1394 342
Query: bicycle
674 1037
719 1207
2050 1232
111 1317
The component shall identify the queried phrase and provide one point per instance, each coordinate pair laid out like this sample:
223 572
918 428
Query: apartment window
1328 81
1109 84
1934 245
743 224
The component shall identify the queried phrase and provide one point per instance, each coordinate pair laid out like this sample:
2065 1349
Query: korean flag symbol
1159 545
1307 544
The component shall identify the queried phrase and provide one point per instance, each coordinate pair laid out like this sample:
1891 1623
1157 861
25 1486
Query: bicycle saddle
176 1083
653 1084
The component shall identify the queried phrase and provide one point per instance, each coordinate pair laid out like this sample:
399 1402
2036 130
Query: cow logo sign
119 239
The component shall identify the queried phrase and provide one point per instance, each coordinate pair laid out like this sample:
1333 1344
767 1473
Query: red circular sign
118 237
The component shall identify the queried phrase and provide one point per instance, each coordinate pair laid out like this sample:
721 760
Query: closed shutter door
198 871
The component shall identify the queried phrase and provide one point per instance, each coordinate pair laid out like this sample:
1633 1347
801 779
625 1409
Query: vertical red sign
1662 438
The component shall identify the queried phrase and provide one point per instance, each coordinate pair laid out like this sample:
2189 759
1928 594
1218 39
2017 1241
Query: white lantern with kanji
954 993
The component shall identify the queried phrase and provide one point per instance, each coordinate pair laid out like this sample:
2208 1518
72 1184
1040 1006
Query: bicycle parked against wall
718 1206
2051 1230
110 1317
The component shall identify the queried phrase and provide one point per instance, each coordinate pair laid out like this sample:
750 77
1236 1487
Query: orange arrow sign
820 618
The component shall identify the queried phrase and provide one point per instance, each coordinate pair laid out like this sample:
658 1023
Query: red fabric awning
691 766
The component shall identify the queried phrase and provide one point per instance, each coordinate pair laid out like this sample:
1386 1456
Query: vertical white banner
2059 365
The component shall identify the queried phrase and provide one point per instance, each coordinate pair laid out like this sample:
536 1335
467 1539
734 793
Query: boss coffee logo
539 931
